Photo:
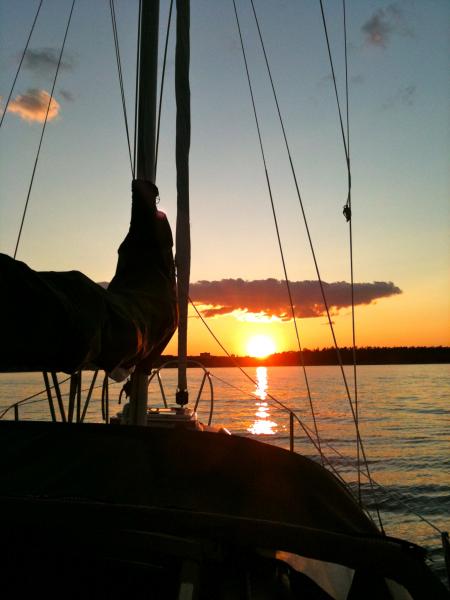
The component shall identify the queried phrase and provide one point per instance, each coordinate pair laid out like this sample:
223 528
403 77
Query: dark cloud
325 81
357 79
384 23
66 95
45 60
32 106
269 296
405 96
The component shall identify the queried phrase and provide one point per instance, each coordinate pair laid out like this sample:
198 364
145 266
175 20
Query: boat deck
176 506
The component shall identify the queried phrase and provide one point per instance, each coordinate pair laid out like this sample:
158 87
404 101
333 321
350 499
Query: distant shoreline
406 355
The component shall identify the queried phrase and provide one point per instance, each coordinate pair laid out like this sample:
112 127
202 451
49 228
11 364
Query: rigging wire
350 231
253 381
43 129
335 86
348 206
163 78
20 64
359 440
136 92
346 146
29 398
281 406
119 70
277 230
34 399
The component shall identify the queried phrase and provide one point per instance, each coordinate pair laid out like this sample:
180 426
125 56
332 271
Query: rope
277 230
28 398
338 353
406 505
163 77
119 70
89 394
49 395
253 395
250 378
352 280
31 399
43 129
278 404
359 440
20 63
136 93
105 399
348 214
348 206
335 85
342 456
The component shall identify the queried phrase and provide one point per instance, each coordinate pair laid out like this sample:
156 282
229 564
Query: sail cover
152 495
63 321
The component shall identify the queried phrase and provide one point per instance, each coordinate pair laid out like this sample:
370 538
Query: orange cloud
268 297
32 106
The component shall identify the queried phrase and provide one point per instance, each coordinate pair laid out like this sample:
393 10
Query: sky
399 90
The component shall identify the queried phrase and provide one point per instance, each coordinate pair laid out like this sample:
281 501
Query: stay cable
43 129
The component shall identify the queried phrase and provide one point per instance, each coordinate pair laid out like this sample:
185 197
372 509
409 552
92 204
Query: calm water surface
404 422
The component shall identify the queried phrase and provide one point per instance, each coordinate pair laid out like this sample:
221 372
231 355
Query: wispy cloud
32 106
404 96
383 24
268 297
357 79
45 60
325 80
66 95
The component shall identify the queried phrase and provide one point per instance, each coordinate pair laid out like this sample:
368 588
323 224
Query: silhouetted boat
171 510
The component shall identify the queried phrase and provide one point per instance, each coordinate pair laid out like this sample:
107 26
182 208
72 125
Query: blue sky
400 142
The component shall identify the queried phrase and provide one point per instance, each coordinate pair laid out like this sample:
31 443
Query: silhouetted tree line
368 355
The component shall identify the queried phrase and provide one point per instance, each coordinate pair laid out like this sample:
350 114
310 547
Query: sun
260 346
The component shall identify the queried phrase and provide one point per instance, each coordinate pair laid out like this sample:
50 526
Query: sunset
225 298
260 346
399 192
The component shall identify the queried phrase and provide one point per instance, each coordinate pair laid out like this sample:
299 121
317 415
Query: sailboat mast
145 152
183 140
147 90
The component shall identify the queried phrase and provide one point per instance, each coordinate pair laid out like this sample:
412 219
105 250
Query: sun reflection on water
262 425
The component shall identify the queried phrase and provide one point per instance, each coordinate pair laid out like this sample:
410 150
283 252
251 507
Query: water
404 417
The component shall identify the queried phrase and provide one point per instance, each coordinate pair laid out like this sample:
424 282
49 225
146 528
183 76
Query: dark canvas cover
95 484
62 321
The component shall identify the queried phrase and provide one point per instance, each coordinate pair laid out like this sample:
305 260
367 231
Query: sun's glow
262 425
260 346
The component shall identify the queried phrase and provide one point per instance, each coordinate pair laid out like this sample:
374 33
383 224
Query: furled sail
63 321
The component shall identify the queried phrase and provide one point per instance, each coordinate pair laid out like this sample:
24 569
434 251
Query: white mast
183 140
145 157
